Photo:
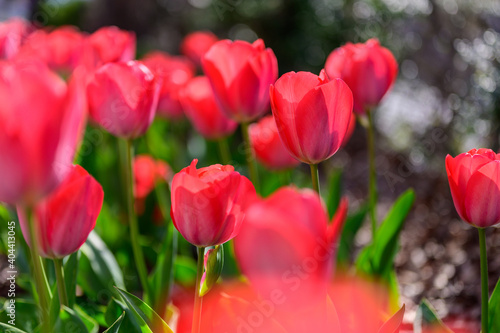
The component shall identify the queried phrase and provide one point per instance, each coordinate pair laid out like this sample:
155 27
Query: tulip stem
372 182
252 166
40 278
61 284
198 300
315 177
224 152
484 280
128 152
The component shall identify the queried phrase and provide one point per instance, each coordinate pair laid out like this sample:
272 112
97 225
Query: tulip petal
483 195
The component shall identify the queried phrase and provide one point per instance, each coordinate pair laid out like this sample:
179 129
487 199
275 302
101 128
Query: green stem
198 301
252 166
372 182
484 280
61 284
41 286
224 152
127 151
315 177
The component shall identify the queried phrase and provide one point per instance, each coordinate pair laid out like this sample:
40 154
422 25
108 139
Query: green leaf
351 226
69 321
213 268
90 323
115 309
115 327
70 274
494 310
99 270
10 329
335 192
142 311
25 315
394 323
185 271
426 318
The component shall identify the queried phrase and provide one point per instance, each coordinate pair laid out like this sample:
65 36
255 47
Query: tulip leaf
115 327
394 323
142 311
99 269
351 226
25 318
494 310
10 329
335 192
115 309
214 260
426 319
70 275
90 323
69 321
185 271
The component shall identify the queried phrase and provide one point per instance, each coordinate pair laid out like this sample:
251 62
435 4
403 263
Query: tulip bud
474 179
66 217
123 98
312 114
240 74
174 73
110 44
196 44
267 145
202 110
41 122
368 69
208 204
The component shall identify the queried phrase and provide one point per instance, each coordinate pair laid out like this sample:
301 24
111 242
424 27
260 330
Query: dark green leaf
25 314
494 310
115 327
69 321
5 328
90 323
70 274
115 309
426 318
143 311
335 192
185 271
351 227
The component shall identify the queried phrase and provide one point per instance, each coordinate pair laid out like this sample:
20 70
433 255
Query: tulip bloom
208 204
146 172
41 123
12 35
196 44
66 217
240 74
312 114
286 243
111 44
123 98
200 107
174 72
474 179
267 145
368 69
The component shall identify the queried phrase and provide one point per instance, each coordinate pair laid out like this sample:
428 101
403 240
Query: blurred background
445 101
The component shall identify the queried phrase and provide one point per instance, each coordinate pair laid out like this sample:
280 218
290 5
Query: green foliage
115 327
494 310
69 321
426 318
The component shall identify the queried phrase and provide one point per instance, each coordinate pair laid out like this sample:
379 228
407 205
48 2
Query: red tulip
240 74
123 98
12 35
368 69
174 72
61 49
66 217
111 44
286 243
267 145
41 121
312 114
208 204
196 44
474 179
200 107
146 172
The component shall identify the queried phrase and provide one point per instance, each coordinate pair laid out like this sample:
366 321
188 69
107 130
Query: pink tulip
123 98
474 179
240 74
208 204
174 73
368 69
196 44
312 114
66 217
267 145
200 107
111 44
12 35
41 123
